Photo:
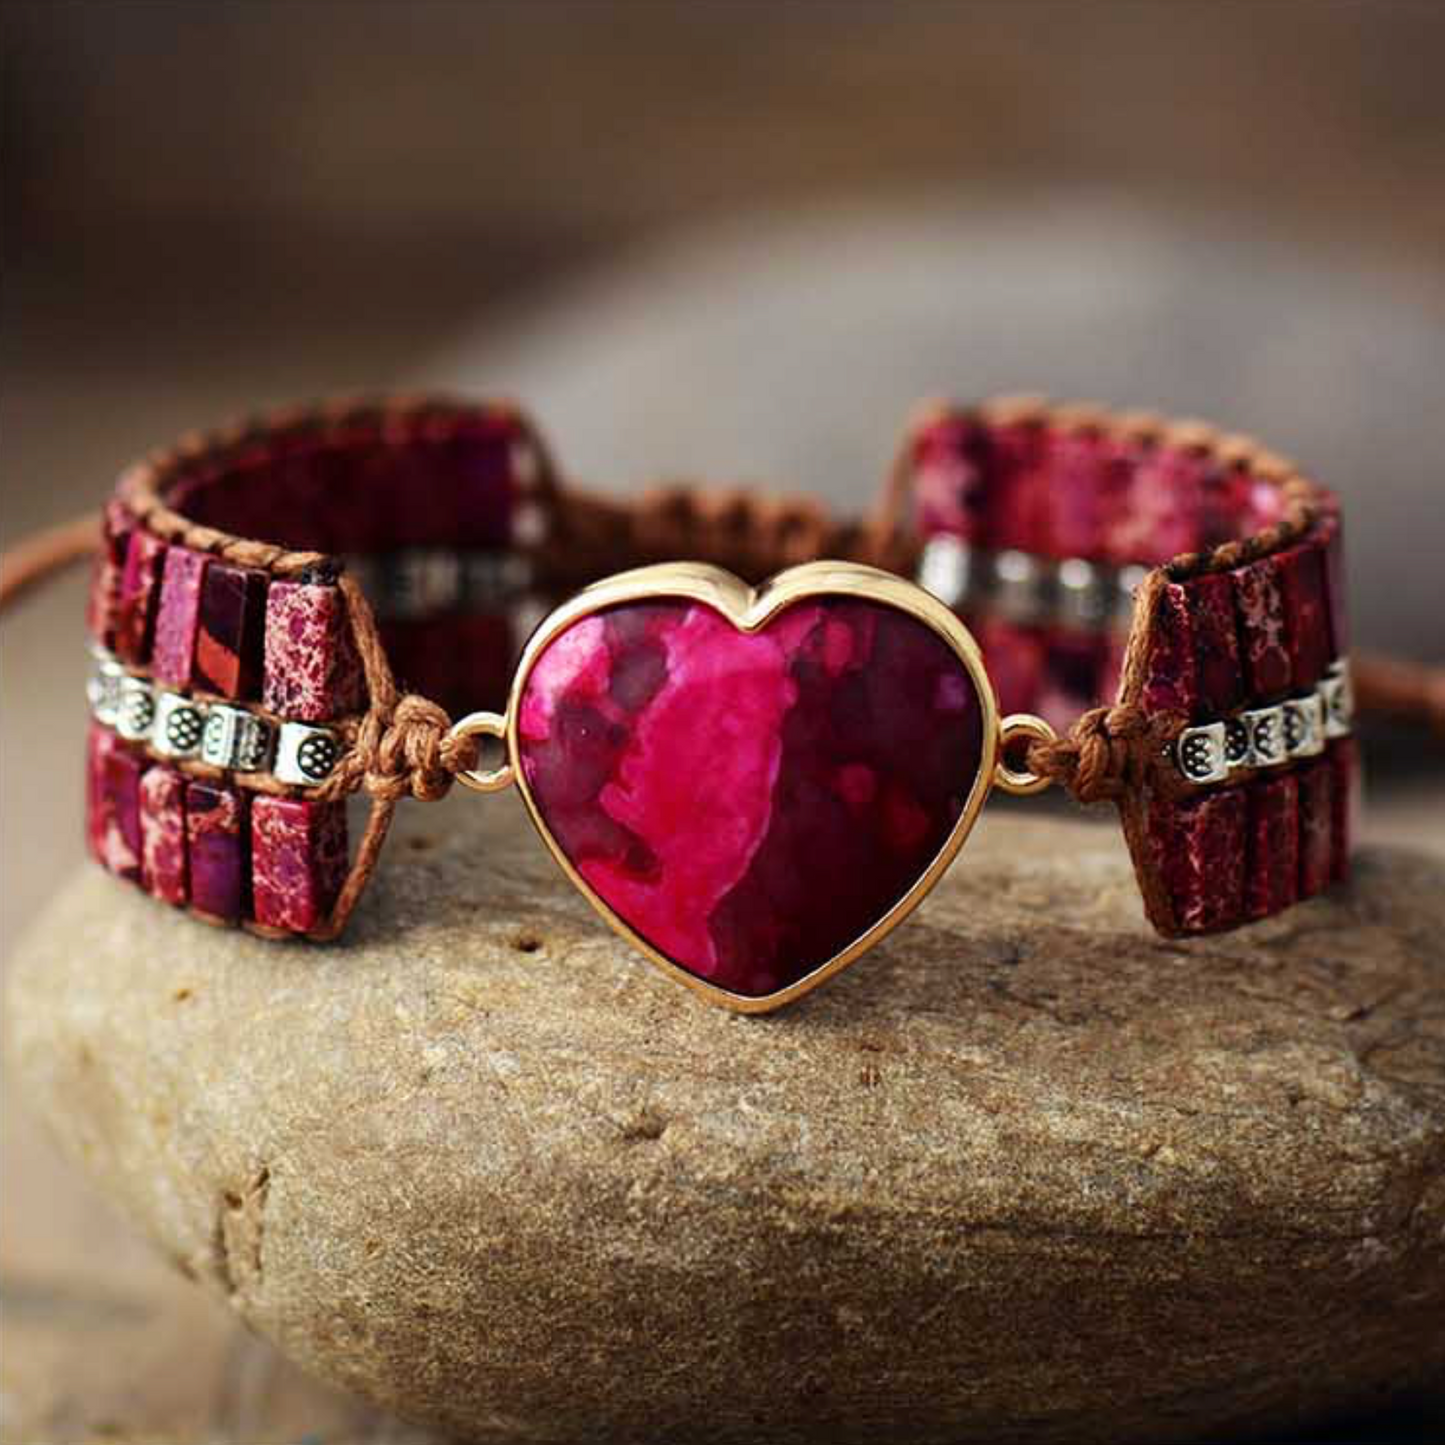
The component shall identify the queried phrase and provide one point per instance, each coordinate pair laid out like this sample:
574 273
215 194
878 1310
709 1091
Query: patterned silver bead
490 580
1265 726
137 711
1236 742
306 755
103 689
1337 700
179 726
236 739
1304 726
946 569
1200 753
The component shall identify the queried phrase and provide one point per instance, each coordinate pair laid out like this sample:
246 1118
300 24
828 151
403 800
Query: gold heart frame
749 609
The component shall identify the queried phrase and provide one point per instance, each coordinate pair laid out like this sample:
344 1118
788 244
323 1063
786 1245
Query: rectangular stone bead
311 672
100 742
1316 827
217 850
1196 852
103 607
163 834
950 460
178 616
1170 671
140 588
1263 638
298 860
230 631
116 825
477 465
1161 515
1343 758
1089 488
1307 623
1271 874
1018 498
1015 657
1216 643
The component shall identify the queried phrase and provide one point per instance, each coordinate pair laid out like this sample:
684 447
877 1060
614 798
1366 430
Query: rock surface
1007 1178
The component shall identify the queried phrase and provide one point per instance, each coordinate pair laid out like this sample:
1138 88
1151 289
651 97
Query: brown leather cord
1393 687
36 557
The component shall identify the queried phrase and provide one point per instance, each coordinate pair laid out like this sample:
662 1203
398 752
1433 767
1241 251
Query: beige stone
1024 1172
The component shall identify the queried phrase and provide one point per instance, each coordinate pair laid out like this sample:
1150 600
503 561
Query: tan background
211 206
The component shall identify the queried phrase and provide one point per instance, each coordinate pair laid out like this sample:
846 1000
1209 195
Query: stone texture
1006 1179
229 638
750 803
298 860
163 834
216 840
311 671
178 617
140 586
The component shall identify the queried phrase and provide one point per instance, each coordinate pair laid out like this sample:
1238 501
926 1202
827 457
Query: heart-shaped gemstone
751 798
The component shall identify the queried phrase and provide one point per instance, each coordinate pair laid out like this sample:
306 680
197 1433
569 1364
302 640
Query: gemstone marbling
298 860
750 803
140 586
1196 849
232 623
178 616
1263 642
1271 874
216 839
163 834
311 672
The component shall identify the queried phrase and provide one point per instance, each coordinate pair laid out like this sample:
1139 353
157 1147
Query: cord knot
1106 751
407 750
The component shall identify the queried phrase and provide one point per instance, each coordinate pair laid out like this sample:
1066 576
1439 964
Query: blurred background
743 235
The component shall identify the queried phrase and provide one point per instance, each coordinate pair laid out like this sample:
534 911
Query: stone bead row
195 621
278 863
1042 487
180 726
1270 737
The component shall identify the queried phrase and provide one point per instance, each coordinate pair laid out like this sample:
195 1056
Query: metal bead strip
226 735
1269 737
1022 587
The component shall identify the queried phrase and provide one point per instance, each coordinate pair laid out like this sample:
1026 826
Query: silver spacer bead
1019 590
1304 726
236 739
1337 700
137 711
492 579
1267 748
1199 752
306 755
1082 600
946 569
103 689
179 726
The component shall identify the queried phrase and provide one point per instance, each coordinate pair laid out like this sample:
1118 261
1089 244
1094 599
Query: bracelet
754 762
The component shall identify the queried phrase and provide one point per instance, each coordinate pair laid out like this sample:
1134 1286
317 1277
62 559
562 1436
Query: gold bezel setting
749 609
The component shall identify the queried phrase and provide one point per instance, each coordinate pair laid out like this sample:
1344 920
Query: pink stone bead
231 629
103 608
1307 622
1020 494
1161 517
117 832
311 672
140 588
1089 484
1344 759
1196 849
298 860
216 840
1170 672
1316 827
100 743
178 617
1272 844
1216 643
1263 639
950 481
1016 657
163 834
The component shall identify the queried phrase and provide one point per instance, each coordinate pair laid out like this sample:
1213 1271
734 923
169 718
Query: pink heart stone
750 803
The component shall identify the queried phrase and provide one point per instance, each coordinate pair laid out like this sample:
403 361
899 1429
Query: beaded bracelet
752 780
